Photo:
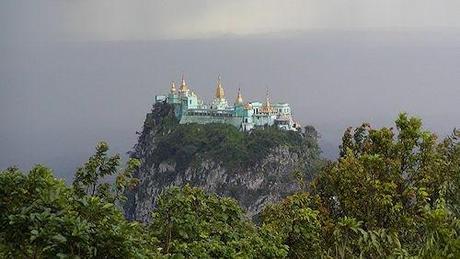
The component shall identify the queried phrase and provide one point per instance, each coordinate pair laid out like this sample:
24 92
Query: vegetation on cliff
186 143
392 193
224 143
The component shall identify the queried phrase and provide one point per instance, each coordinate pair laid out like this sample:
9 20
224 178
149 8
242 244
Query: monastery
189 108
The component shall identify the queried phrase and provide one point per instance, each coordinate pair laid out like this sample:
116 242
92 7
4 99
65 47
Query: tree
40 217
450 150
392 193
296 223
391 181
88 177
440 233
190 223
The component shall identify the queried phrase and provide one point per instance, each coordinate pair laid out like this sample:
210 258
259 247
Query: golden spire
267 99
183 85
266 107
220 90
239 98
173 87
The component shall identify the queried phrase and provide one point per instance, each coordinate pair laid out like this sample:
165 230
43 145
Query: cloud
87 20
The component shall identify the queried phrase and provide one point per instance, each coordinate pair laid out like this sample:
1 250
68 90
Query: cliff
255 168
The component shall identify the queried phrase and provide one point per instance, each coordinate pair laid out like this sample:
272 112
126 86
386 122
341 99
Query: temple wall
204 119
263 120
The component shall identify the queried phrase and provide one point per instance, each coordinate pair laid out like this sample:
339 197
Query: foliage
100 165
227 144
40 217
162 117
189 223
450 151
296 224
393 193
441 233
390 194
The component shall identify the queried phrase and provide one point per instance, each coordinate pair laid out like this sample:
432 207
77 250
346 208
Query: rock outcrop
254 183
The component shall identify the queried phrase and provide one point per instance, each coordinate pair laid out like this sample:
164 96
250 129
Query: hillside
255 168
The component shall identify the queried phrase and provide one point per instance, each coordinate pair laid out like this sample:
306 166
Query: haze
76 72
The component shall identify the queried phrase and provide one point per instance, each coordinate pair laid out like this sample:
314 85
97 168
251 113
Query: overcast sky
96 20
73 72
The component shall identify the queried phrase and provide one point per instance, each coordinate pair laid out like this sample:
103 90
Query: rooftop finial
183 85
220 89
173 87
267 98
239 98
266 107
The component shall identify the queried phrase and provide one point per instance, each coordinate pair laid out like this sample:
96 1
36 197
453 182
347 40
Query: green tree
441 233
190 223
391 181
350 240
88 178
296 223
40 217
450 150
392 193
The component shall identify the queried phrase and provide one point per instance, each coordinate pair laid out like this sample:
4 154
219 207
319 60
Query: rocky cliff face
254 184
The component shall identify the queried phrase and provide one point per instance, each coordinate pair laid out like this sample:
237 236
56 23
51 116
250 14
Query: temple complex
189 108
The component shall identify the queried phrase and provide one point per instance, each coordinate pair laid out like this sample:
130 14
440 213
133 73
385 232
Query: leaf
107 205
60 238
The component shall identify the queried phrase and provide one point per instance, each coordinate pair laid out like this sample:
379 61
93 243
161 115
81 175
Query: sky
123 20
73 72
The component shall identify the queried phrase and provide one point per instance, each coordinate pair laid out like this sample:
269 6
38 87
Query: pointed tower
220 90
173 98
266 106
239 98
173 88
267 99
219 102
183 86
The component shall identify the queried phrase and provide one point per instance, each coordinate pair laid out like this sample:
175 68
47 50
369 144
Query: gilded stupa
173 87
183 86
266 107
220 94
239 98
